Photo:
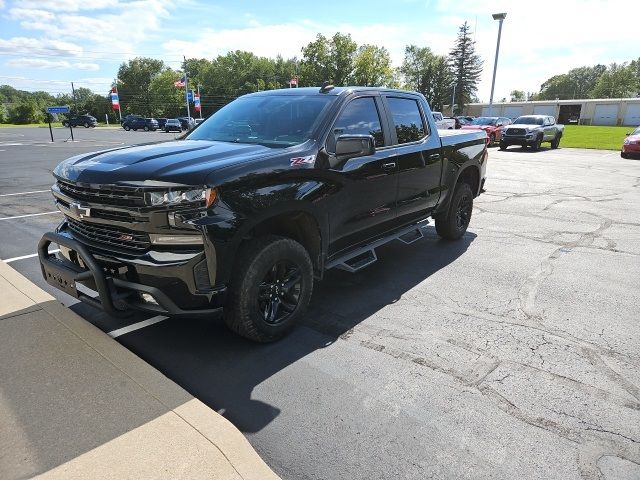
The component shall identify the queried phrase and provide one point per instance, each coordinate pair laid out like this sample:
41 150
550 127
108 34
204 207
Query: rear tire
127 128
146 129
65 124
454 223
86 125
260 306
555 143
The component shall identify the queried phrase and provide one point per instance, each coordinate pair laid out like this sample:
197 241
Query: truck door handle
434 156
389 166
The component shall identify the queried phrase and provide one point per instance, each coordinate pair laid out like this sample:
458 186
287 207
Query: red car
491 125
631 145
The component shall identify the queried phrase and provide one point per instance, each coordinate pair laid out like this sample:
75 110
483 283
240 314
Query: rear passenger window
407 119
360 117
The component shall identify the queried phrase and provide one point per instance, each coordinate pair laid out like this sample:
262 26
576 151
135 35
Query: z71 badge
297 161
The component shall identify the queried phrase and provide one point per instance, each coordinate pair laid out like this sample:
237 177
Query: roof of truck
333 91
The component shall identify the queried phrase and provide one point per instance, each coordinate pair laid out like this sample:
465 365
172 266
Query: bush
26 111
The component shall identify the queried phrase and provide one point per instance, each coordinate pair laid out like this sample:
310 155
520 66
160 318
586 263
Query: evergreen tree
466 67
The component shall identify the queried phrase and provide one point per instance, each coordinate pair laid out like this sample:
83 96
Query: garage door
605 115
632 117
512 112
545 110
495 111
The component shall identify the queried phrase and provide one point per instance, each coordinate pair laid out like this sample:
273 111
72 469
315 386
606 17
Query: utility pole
453 98
500 17
75 103
186 87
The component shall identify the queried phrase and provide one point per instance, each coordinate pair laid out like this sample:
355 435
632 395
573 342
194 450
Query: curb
22 296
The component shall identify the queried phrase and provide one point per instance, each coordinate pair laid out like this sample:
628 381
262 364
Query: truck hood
185 162
525 126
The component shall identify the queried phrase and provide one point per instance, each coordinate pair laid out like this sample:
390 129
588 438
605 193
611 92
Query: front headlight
205 196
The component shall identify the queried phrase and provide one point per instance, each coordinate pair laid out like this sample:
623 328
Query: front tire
270 288
624 155
535 146
86 125
503 146
146 129
454 223
65 124
127 128
555 143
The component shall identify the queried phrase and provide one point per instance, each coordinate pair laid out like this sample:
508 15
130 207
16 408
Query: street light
500 17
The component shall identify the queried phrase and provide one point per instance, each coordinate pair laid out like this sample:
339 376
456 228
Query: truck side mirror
351 146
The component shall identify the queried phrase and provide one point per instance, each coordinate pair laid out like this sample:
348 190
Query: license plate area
60 277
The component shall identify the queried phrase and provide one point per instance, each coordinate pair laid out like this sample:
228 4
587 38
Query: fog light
162 239
149 299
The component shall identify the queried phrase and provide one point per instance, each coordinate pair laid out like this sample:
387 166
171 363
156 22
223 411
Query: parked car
187 122
172 125
631 145
491 125
465 120
442 122
140 123
161 122
241 219
199 121
85 121
532 131
129 117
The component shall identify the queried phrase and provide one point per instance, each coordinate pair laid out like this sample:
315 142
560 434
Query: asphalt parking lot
513 353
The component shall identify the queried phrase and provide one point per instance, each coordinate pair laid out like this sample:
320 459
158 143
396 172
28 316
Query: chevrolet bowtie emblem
79 211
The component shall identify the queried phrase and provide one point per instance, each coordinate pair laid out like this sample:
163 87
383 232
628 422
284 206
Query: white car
442 122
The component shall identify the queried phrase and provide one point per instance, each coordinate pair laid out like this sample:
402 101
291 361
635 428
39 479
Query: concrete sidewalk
75 404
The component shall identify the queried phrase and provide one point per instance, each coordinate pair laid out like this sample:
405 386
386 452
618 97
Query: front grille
108 236
516 131
109 195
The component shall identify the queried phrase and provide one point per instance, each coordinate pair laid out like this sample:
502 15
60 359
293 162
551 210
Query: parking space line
136 326
23 193
30 215
23 257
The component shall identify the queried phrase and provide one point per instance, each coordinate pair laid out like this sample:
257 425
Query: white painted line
136 326
23 257
23 193
30 215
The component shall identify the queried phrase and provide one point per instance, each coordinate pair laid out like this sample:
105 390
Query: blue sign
190 96
59 109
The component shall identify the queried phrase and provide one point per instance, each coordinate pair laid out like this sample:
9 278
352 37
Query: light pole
500 17
453 98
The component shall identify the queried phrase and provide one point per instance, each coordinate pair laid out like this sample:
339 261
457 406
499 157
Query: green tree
619 81
372 67
427 73
517 96
166 99
27 110
330 60
466 66
134 84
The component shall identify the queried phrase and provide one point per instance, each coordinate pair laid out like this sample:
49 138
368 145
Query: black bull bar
112 291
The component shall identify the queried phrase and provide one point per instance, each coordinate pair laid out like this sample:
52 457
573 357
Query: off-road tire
448 226
256 259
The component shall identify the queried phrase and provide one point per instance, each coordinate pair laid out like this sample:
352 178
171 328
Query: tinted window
407 119
271 120
360 117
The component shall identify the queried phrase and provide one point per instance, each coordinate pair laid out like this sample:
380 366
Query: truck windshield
529 120
485 121
276 121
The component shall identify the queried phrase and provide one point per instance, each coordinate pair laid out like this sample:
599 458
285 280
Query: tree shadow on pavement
222 369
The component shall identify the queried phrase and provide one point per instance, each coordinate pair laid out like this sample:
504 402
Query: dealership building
605 111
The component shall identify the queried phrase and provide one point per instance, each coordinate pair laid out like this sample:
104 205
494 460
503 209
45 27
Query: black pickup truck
242 215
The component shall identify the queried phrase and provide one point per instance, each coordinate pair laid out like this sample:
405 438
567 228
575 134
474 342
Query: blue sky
46 44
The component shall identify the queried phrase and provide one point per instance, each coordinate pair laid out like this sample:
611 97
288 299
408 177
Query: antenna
326 87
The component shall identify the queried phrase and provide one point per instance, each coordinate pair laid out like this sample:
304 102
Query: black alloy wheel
463 212
537 144
279 292
453 224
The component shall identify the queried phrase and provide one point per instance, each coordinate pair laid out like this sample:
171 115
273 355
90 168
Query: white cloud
1 4
35 46
41 63
30 14
69 5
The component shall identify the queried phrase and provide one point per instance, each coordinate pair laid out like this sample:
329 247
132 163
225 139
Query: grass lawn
29 125
605 138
